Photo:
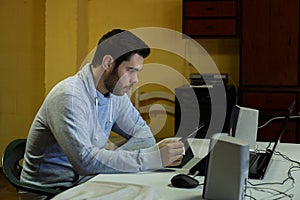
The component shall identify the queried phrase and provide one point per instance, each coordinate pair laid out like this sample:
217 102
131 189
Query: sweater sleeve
74 128
130 124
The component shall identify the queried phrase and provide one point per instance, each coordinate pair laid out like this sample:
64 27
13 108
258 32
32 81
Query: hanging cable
276 118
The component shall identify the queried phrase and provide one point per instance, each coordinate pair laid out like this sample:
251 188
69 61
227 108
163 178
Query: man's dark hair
121 45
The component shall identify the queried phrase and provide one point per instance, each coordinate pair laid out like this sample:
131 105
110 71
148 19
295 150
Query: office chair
11 163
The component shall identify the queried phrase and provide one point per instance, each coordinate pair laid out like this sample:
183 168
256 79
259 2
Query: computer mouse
184 181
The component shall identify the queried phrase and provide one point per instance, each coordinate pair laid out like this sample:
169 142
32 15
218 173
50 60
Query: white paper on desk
109 191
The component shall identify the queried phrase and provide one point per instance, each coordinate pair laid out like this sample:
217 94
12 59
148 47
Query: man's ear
107 62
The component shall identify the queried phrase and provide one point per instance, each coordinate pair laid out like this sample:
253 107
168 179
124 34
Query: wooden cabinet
270 102
270 32
204 18
269 73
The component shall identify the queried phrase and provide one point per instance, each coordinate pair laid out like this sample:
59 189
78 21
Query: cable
195 174
287 158
295 166
275 194
251 197
270 183
275 118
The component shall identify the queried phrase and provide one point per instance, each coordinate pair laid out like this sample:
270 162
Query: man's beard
111 83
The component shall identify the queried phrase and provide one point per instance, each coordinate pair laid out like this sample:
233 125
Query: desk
156 185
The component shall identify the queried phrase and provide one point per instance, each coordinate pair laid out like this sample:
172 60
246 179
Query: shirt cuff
150 158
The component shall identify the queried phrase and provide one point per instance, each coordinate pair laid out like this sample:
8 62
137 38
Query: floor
7 191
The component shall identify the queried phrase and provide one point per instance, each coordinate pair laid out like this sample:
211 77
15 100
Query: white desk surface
156 185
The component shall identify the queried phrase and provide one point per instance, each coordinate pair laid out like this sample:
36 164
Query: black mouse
184 181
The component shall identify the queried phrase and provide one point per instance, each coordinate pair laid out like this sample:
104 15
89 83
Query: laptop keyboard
258 163
252 158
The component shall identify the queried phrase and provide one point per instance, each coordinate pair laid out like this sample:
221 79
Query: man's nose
135 78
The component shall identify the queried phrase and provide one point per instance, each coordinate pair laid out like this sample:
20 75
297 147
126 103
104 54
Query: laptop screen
283 126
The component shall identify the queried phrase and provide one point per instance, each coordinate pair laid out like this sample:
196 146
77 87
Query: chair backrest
157 96
13 155
157 107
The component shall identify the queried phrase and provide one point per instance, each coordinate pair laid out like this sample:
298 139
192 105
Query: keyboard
258 163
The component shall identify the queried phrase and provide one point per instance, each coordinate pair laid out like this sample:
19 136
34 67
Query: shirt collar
103 100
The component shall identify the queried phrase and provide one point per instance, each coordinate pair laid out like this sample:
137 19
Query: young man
67 139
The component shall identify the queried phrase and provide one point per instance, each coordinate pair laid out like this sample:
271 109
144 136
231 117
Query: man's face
121 80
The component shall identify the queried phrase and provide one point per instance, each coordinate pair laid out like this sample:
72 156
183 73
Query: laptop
189 158
259 161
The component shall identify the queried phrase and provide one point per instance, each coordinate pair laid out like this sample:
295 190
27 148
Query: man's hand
171 152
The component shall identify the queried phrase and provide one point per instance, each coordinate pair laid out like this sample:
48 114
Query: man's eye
132 71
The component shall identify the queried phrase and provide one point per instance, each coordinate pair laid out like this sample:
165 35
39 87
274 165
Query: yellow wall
225 53
22 66
66 39
43 41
